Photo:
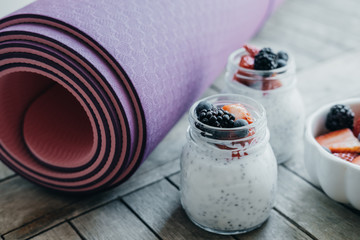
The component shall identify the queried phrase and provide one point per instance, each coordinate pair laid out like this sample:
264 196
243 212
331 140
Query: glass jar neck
228 138
279 79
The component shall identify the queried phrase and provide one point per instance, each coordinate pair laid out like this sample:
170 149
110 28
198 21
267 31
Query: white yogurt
228 196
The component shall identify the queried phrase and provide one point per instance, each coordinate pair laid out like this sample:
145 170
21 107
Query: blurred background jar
276 91
228 175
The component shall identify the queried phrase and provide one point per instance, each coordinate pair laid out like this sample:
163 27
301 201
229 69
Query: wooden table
324 36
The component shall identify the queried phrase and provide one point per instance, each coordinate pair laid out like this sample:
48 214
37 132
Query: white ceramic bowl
338 178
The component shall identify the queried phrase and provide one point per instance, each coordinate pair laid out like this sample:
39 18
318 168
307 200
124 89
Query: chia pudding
228 185
282 101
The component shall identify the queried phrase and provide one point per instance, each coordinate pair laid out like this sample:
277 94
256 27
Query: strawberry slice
247 61
356 127
239 111
253 51
346 156
341 140
271 84
356 160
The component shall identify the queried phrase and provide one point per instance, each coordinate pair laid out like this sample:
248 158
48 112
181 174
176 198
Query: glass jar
228 183
276 91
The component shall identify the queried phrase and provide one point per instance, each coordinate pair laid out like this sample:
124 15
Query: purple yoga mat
89 88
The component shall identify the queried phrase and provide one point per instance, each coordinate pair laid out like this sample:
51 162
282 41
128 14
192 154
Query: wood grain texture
61 232
5 171
22 202
314 211
276 227
159 206
113 221
87 203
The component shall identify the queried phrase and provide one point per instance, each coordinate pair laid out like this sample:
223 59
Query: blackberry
266 59
216 117
283 55
339 117
203 105
242 132
281 63
266 51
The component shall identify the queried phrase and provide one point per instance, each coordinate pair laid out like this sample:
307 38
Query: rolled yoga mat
89 88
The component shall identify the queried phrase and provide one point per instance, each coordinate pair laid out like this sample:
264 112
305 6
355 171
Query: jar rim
259 123
240 52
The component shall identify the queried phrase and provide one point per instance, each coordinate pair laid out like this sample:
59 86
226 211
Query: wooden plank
9 6
61 232
330 34
348 7
5 172
22 202
318 12
276 227
313 47
314 211
139 180
330 81
175 179
113 221
159 206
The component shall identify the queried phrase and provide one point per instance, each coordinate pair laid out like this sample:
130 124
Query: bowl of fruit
332 150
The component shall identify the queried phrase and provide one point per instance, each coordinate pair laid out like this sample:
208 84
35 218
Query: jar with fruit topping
276 90
228 171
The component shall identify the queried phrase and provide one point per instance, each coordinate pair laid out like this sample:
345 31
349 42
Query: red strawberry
341 140
253 51
356 130
239 111
346 156
247 61
271 84
240 77
356 160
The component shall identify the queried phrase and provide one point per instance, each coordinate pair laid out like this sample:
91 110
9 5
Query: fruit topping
341 140
283 56
356 160
239 111
346 156
253 51
213 116
243 132
339 117
247 62
229 116
356 129
281 63
270 84
203 105
266 59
